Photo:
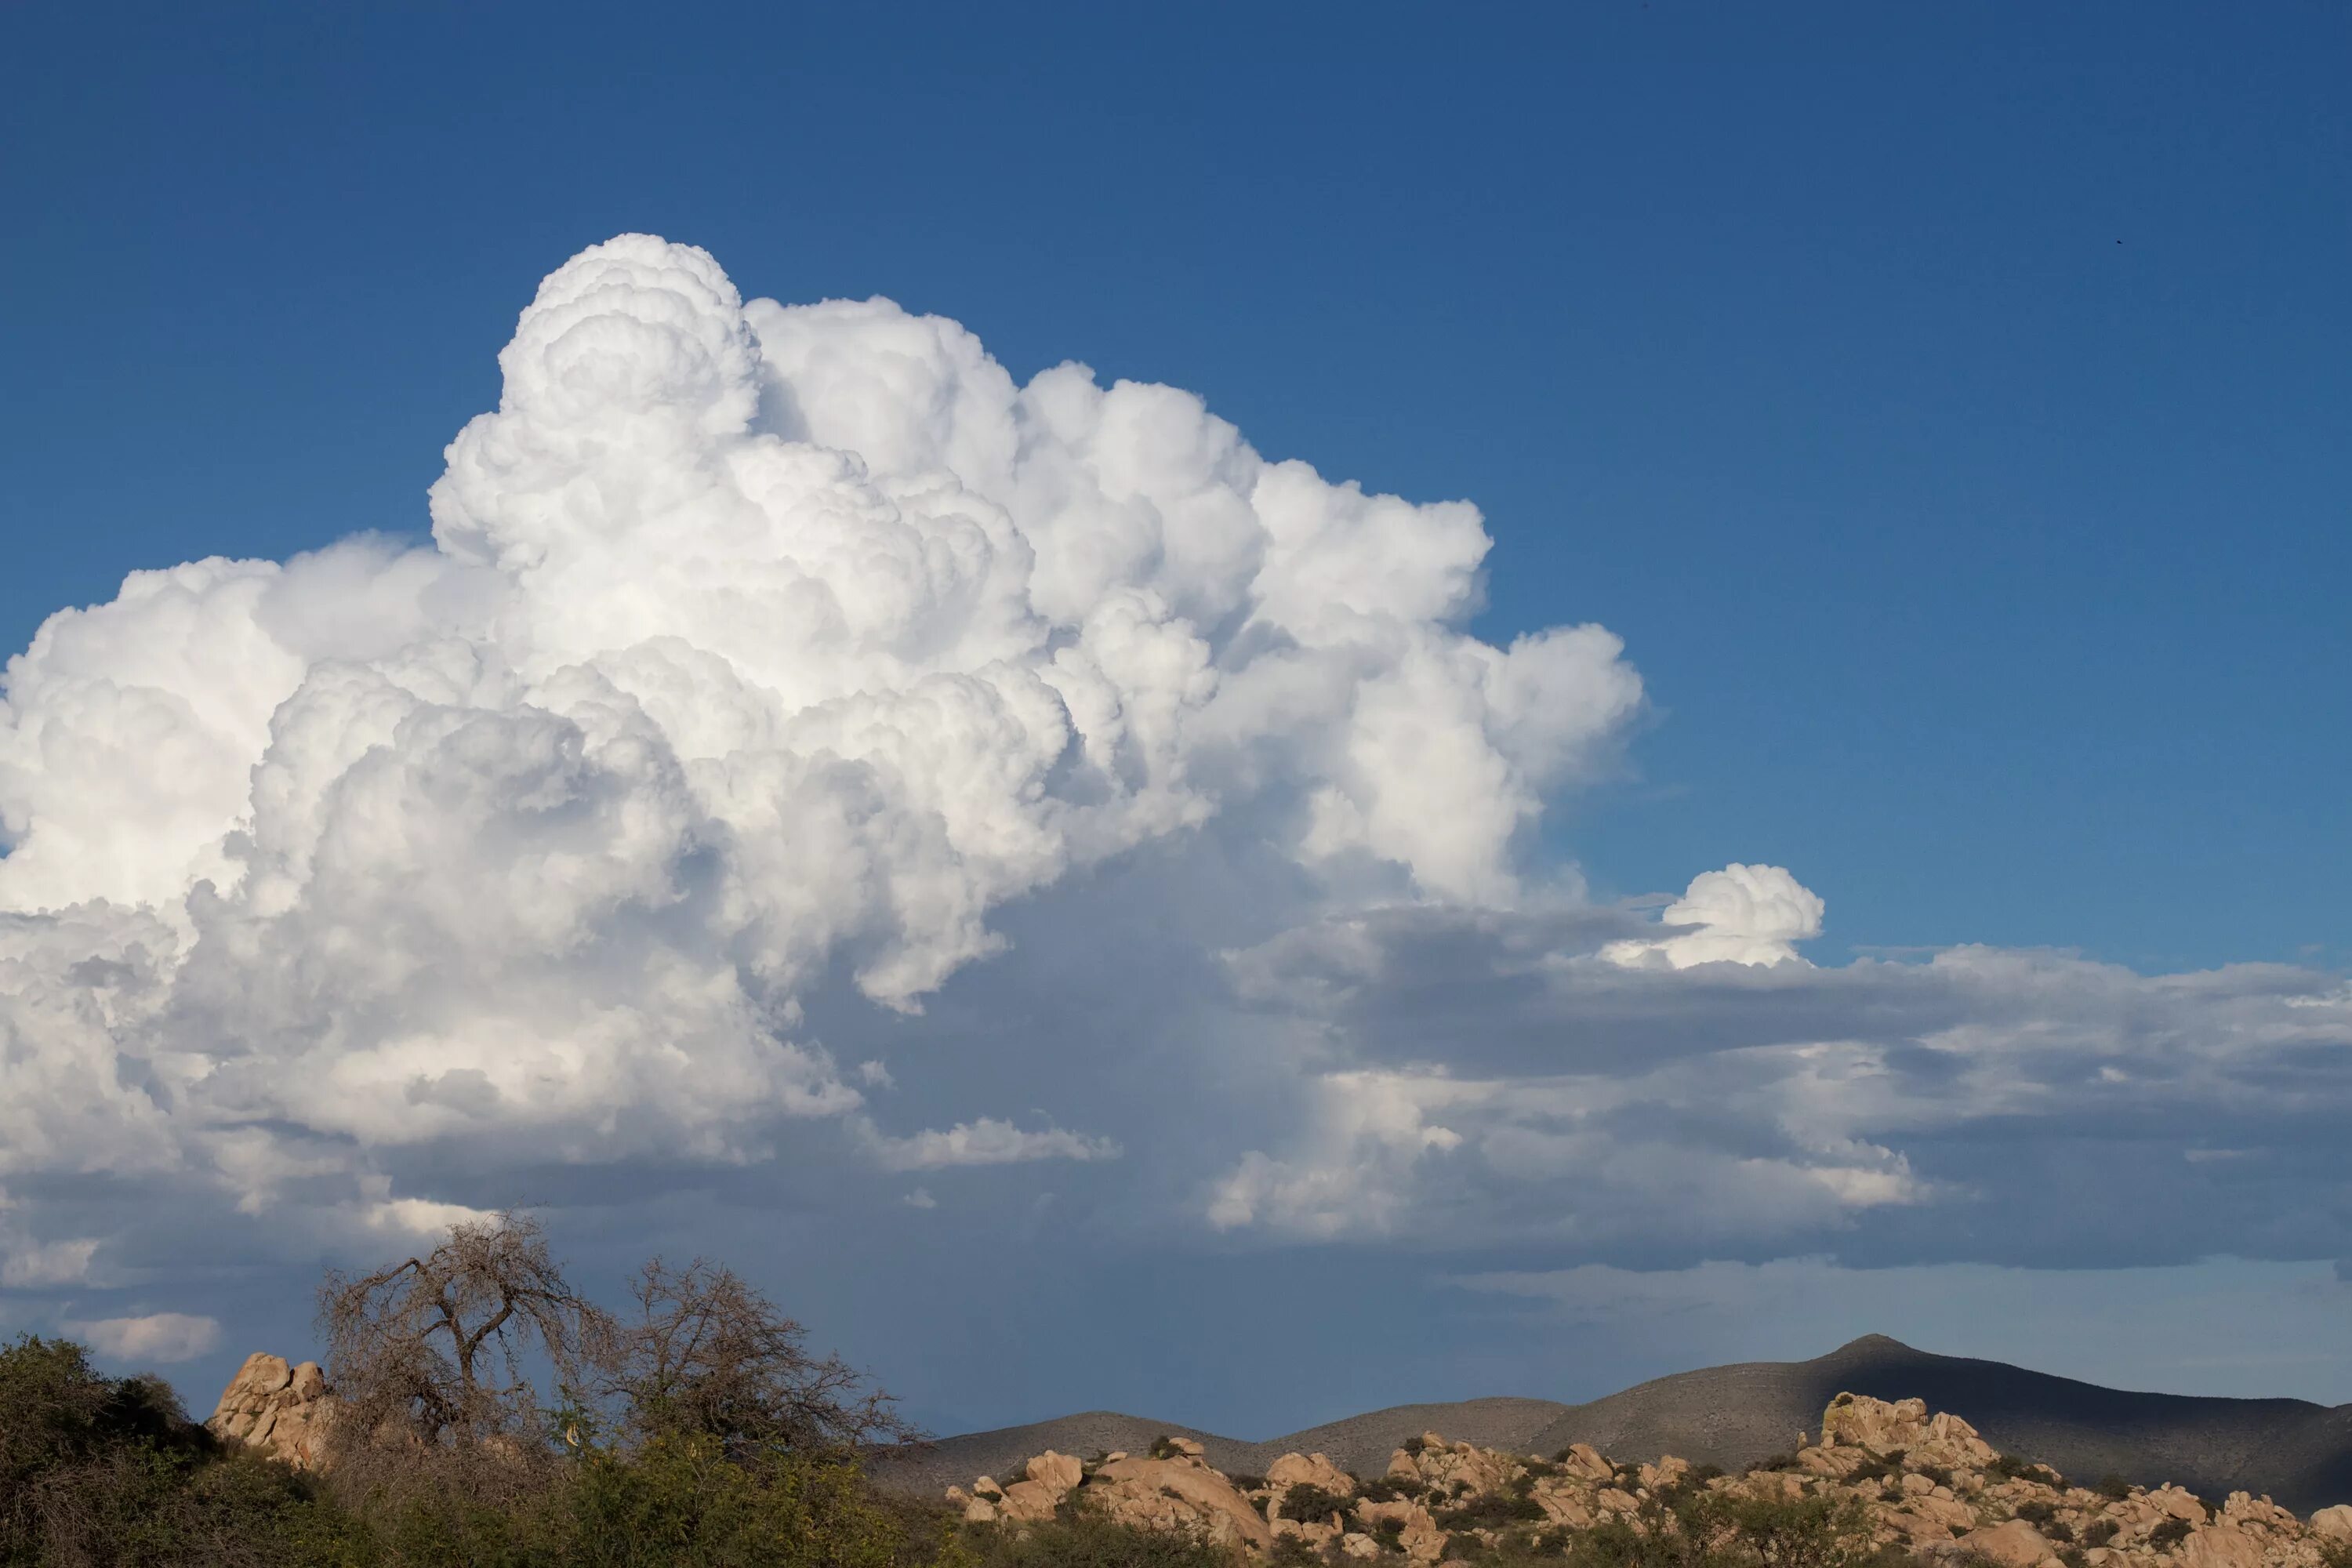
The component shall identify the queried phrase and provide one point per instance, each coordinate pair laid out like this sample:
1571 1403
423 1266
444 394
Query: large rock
282 1410
1417 1533
2016 1544
2335 1523
1059 1471
2221 1546
1583 1461
1311 1470
1048 1478
1881 1426
1165 1494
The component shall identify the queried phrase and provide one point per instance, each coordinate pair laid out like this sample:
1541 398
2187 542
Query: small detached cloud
160 1337
27 1265
987 1142
1741 914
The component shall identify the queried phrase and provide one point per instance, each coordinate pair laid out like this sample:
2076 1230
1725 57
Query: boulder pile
1925 1485
280 1409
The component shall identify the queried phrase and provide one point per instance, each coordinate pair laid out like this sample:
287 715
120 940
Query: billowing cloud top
800 742
756 642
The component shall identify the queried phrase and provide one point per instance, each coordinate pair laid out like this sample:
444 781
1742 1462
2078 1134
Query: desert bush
2015 1468
1309 1501
689 1501
2113 1488
100 1470
1490 1511
2037 1511
2099 1531
2171 1532
1087 1539
704 1355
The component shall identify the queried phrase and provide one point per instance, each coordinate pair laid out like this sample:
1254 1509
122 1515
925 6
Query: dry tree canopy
439 1347
707 1355
438 1350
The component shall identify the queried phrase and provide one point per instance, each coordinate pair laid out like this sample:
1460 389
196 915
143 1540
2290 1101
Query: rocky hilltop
280 1409
1928 1484
2296 1451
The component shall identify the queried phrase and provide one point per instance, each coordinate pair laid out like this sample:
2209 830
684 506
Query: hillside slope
2296 1451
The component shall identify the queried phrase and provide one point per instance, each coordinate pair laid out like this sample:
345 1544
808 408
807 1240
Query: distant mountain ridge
2291 1449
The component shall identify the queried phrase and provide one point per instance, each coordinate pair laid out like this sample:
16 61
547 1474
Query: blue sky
1946 407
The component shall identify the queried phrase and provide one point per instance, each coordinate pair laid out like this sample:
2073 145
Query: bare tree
706 1354
435 1352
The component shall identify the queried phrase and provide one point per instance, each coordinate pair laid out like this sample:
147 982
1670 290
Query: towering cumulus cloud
756 645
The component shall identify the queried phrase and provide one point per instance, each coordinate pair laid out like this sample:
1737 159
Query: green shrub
1309 1501
2015 1468
2113 1488
1292 1552
2171 1532
1087 1539
1491 1510
2099 1531
95 1469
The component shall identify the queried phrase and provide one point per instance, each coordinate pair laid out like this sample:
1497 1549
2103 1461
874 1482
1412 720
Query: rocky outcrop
282 1410
1923 1483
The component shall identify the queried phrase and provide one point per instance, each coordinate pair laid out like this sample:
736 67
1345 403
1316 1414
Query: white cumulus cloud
755 645
157 1336
1741 914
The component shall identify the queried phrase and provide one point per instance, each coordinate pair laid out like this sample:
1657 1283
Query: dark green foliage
2115 1489
1388 1488
2037 1511
1937 1474
1086 1540
1415 1445
1774 1462
1291 1552
2011 1465
1712 1530
1491 1510
1875 1468
2171 1532
1706 1473
96 1469
1308 1501
2099 1531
